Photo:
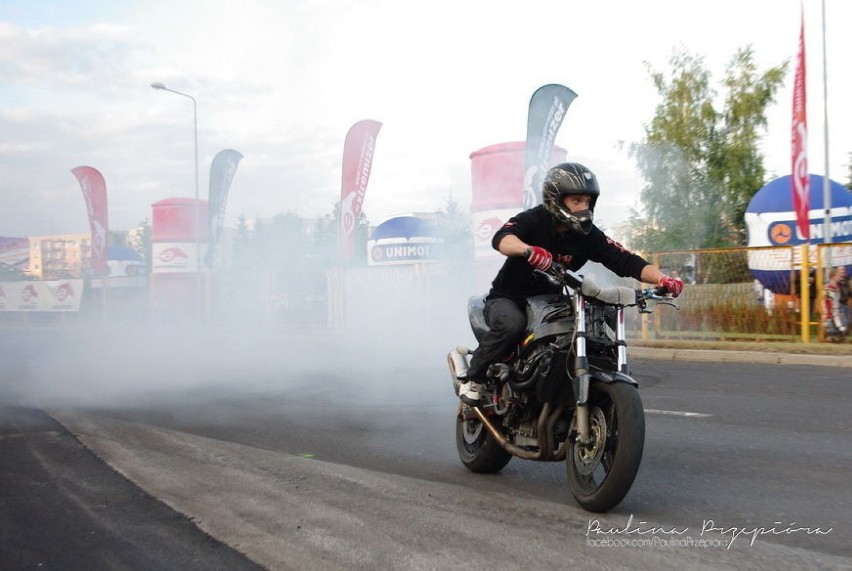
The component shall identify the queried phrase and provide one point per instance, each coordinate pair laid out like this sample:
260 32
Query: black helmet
565 179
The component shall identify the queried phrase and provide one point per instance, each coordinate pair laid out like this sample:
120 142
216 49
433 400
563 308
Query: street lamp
160 86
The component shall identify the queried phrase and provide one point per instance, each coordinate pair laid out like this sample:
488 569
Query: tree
849 182
140 241
325 235
454 226
282 241
702 165
245 254
327 231
274 259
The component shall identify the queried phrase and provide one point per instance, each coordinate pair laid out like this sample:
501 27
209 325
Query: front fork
582 378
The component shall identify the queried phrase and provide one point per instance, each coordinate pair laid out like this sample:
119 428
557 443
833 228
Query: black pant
506 323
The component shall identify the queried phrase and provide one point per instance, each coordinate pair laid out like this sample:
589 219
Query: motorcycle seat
476 315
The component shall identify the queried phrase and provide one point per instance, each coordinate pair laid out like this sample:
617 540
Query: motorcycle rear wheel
478 450
601 473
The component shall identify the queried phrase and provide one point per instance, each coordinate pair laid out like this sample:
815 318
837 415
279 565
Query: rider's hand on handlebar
672 286
539 258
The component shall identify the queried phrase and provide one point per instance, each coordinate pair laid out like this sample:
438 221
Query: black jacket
536 227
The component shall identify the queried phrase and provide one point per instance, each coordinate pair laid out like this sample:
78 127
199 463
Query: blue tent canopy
403 227
122 253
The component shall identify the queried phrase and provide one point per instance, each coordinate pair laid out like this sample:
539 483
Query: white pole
826 186
198 289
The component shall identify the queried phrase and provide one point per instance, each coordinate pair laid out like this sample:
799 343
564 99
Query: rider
560 229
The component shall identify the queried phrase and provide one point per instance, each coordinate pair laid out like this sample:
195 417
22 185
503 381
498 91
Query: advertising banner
799 152
548 106
222 171
94 191
357 162
771 221
176 257
54 295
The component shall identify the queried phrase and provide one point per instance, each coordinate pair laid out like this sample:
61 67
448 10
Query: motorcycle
565 393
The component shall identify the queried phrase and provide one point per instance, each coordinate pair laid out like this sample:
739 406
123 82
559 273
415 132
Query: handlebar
560 276
657 295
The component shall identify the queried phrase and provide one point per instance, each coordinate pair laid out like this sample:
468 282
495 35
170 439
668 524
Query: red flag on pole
357 162
800 178
94 191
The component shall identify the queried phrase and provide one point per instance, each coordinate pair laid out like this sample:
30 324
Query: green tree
702 165
282 241
326 236
454 226
245 255
140 241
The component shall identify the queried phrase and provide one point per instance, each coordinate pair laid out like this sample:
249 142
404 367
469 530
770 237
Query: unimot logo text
418 251
840 227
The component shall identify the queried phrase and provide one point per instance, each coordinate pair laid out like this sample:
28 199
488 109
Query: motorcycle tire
601 474
478 450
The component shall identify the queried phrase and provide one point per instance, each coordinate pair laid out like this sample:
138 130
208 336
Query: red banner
800 179
357 162
94 191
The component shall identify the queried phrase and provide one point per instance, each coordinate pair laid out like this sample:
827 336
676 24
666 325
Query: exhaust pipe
546 421
458 364
502 441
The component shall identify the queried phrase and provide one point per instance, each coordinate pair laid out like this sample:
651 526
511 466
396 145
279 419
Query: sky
281 81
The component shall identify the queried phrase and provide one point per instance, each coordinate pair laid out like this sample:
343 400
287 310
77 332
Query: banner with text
222 171
799 152
94 191
548 106
357 162
55 295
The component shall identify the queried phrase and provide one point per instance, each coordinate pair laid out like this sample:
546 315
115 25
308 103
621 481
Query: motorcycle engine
545 370
534 365
526 435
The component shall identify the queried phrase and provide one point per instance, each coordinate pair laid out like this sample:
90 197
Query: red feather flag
800 179
94 191
357 161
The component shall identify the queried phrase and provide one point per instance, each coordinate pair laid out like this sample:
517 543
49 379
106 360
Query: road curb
719 356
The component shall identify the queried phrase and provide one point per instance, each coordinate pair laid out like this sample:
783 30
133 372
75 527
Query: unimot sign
404 252
786 233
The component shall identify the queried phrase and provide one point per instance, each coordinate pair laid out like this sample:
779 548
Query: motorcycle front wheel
601 472
478 450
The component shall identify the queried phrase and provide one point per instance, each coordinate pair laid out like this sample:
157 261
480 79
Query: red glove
672 285
539 258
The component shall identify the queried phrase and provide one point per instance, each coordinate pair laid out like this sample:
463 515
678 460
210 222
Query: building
63 256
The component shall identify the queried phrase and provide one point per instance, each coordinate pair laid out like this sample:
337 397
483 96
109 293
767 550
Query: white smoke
387 329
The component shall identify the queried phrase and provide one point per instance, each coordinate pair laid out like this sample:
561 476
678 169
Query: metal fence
723 298
748 293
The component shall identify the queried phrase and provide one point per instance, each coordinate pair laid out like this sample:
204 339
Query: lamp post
160 86
826 182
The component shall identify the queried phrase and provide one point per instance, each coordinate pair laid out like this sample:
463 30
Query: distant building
59 256
63 256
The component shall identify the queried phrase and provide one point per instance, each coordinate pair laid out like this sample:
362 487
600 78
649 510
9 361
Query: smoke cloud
386 323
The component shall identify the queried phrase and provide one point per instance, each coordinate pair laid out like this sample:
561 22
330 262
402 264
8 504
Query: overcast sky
282 81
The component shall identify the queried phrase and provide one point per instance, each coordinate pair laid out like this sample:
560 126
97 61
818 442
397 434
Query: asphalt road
341 464
63 508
